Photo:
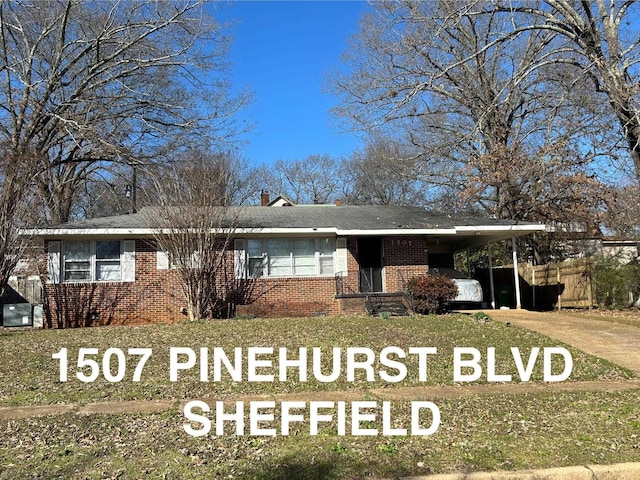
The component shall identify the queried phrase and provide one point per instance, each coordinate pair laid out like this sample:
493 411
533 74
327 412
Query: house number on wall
401 243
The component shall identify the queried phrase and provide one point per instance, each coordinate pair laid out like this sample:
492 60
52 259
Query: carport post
515 272
491 287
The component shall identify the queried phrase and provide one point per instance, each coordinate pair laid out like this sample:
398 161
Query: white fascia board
341 233
145 232
489 229
399 231
284 231
67 232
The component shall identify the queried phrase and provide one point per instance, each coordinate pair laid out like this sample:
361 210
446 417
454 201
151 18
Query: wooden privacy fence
23 289
544 287
572 280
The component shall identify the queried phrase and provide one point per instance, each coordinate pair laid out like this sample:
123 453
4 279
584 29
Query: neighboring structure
580 240
288 260
623 249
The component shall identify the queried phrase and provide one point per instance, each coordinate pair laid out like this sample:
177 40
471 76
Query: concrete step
393 305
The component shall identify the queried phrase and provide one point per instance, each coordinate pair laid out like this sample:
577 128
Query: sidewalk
621 471
389 393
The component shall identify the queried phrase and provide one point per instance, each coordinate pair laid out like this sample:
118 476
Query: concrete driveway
616 342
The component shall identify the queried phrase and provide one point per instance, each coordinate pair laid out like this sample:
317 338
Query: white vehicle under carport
469 289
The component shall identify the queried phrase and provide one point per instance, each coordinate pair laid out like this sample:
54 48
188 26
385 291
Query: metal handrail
365 285
342 286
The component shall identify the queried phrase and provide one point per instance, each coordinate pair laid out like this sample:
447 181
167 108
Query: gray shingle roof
364 218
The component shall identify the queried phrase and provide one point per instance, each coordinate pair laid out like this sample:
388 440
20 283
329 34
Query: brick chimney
338 202
264 198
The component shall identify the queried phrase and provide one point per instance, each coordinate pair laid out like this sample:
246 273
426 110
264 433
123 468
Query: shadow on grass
293 467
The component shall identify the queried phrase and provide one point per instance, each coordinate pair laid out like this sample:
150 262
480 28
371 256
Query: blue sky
282 50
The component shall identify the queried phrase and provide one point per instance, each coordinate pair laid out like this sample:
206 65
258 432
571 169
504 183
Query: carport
469 237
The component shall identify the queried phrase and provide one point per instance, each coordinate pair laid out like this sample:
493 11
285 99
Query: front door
370 259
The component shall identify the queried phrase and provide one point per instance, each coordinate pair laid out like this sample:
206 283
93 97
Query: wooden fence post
558 277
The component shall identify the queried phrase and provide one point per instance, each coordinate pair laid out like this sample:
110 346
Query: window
256 259
326 250
290 257
77 261
108 261
86 261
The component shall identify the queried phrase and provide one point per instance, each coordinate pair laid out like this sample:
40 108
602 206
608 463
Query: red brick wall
155 296
303 296
351 280
404 257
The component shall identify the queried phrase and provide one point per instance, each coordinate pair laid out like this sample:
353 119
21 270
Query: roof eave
147 232
522 228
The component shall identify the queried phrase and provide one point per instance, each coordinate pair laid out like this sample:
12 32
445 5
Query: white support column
491 284
515 273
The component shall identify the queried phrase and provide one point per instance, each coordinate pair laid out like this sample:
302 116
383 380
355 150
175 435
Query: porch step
391 304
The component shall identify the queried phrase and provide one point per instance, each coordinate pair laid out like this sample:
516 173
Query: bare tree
223 178
16 174
470 89
86 84
110 193
603 43
623 215
384 173
194 227
315 179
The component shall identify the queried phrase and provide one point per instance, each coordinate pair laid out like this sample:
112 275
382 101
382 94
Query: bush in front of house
616 285
431 293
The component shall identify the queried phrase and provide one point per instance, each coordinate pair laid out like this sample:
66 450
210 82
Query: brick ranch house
299 260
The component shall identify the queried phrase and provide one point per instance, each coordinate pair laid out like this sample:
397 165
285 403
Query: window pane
304 266
280 265
108 250
77 271
78 266
326 265
326 246
77 251
255 248
305 247
108 270
304 256
279 248
77 261
256 267
79 275
279 254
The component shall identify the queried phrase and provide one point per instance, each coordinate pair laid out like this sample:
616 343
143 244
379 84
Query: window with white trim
297 257
92 261
108 264
77 261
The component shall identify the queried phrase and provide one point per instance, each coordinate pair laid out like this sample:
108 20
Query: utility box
17 315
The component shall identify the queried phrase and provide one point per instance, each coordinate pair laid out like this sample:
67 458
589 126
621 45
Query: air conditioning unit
17 315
